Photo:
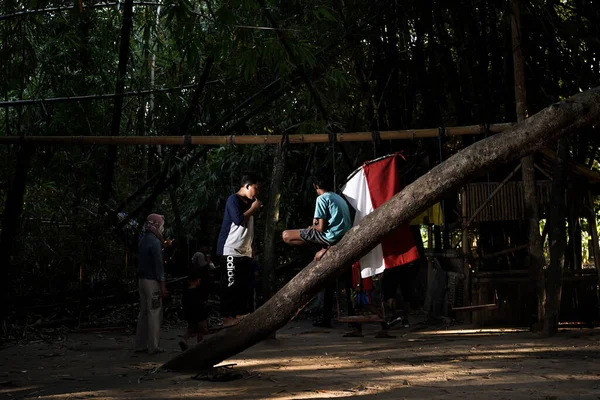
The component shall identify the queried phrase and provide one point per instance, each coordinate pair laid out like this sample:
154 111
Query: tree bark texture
528 136
558 240
532 218
115 126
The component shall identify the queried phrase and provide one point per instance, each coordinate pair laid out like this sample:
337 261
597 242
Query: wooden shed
493 284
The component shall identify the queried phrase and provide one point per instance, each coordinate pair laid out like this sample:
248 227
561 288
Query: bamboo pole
532 215
248 139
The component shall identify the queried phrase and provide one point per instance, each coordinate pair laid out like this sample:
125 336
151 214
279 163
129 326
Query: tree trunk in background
269 261
532 218
528 136
557 240
144 108
164 180
11 224
577 247
176 213
115 126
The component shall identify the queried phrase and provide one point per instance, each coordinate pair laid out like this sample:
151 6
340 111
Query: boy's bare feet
320 254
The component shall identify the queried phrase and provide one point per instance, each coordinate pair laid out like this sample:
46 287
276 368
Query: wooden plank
547 175
360 318
575 278
503 252
501 273
475 308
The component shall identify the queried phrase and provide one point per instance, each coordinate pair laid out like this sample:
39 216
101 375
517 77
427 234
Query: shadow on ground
307 363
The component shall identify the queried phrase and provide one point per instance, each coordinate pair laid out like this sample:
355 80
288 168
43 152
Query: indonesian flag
372 185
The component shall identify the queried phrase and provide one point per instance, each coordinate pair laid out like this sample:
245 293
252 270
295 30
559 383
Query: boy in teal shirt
331 220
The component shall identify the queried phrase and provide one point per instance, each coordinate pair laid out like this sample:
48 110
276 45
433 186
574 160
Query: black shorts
235 285
402 276
197 314
313 236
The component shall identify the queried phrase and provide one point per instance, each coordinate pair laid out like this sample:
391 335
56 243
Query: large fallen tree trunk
526 137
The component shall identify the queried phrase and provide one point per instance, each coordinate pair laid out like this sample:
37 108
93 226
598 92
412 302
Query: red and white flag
372 185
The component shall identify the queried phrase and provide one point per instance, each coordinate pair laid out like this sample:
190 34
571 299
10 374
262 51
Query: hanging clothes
372 185
431 216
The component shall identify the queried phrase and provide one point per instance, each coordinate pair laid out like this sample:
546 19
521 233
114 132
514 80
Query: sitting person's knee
285 235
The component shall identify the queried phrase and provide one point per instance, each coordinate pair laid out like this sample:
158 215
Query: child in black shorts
195 306
331 219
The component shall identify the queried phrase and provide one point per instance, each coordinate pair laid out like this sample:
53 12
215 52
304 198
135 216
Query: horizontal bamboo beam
251 139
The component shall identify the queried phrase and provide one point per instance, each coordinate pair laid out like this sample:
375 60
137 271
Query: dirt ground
310 363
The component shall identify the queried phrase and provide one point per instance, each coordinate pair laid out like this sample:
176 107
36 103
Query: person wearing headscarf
151 283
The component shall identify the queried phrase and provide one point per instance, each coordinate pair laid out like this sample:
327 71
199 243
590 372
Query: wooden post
536 254
594 233
577 247
437 235
593 228
272 218
466 246
557 235
574 257
428 305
